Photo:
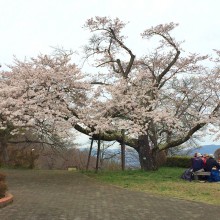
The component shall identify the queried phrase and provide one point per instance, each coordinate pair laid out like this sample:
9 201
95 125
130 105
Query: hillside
207 149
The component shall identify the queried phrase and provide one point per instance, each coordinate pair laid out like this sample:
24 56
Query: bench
200 173
72 168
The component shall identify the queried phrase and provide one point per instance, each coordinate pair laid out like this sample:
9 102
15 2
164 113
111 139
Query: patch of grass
166 181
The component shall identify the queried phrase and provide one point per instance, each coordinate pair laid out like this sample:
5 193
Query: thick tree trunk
4 150
147 156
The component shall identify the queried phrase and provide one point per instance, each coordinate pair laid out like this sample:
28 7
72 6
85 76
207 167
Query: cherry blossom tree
37 94
158 100
151 103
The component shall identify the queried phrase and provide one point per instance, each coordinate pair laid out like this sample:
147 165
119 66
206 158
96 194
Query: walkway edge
6 200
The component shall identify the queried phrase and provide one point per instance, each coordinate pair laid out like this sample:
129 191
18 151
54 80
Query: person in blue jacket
197 163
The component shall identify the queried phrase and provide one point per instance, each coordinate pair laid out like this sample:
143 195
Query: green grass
166 181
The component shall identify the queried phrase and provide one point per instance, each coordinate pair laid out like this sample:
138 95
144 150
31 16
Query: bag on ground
187 175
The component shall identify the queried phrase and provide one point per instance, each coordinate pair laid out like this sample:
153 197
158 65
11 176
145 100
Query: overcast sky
30 27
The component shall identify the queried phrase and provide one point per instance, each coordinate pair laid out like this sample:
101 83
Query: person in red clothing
204 159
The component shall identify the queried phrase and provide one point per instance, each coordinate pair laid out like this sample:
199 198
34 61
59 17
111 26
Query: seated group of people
204 162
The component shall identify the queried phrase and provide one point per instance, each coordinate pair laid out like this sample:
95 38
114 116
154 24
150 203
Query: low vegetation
165 182
178 161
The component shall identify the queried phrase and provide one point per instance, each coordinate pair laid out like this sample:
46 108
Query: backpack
215 176
187 175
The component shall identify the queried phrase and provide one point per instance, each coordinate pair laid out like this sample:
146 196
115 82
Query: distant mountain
207 149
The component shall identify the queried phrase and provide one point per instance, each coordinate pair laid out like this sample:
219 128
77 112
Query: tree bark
147 156
4 150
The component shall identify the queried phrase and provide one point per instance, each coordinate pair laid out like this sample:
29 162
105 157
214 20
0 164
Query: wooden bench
200 173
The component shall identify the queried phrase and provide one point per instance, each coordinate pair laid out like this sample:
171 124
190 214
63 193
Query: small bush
178 161
3 186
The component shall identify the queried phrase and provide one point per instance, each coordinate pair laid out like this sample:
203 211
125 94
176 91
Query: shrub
3 186
178 161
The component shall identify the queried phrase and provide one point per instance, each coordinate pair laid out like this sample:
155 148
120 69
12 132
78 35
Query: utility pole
90 152
98 154
122 151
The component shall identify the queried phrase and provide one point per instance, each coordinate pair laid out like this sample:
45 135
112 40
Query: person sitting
211 163
204 159
197 163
